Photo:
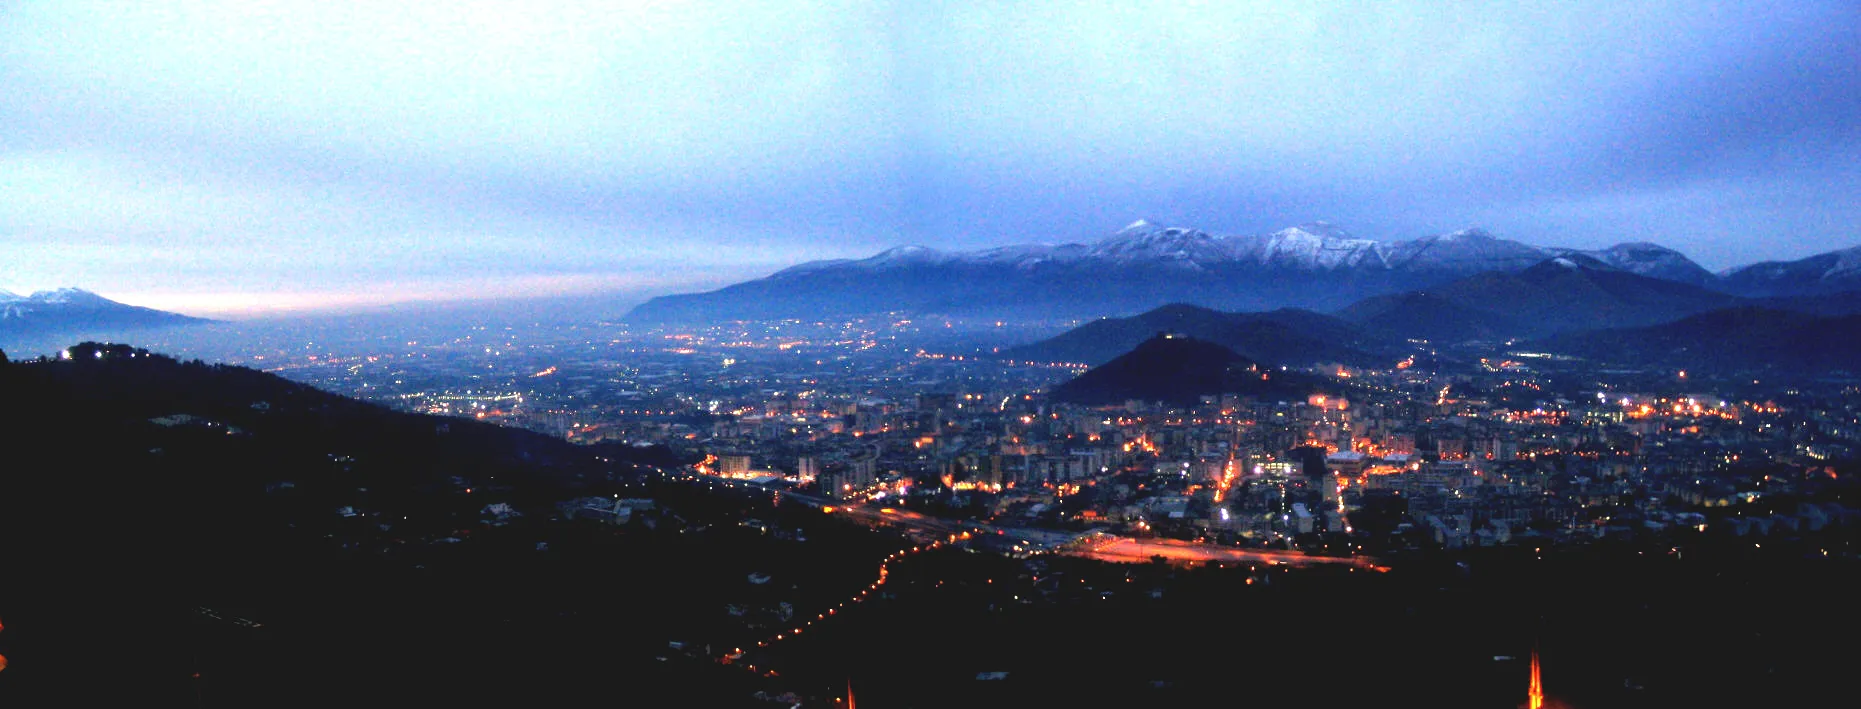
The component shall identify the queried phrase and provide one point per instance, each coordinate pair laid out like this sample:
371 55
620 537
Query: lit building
733 465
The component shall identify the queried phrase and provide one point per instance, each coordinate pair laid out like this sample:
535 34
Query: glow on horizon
249 305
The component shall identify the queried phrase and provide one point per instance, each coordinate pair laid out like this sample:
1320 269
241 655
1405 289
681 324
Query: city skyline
232 159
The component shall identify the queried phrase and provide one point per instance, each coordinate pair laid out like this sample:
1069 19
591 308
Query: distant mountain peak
55 295
1647 259
1557 269
69 296
907 251
76 310
1468 234
1576 262
1177 310
1631 246
1826 272
1176 245
1320 229
1138 227
1143 229
906 255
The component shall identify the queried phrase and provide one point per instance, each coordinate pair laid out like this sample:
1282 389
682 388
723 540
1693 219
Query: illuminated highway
1126 549
904 519
884 570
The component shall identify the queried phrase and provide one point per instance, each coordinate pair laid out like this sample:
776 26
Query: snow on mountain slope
69 296
1317 246
908 256
74 308
1025 255
1847 264
1647 259
22 305
1316 266
1320 246
1469 250
1143 241
1830 272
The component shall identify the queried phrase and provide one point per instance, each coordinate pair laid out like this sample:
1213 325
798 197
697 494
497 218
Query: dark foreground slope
262 543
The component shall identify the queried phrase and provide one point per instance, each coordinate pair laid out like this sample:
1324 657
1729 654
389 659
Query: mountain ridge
1561 294
1314 266
1744 338
1286 336
74 310
1827 272
1179 370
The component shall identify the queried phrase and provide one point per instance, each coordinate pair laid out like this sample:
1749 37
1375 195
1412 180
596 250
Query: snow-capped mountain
1140 267
1830 272
1317 246
1652 260
61 296
1460 253
74 310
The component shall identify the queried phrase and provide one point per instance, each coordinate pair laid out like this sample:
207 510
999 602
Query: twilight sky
251 157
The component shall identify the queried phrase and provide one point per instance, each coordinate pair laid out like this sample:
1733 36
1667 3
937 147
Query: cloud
343 148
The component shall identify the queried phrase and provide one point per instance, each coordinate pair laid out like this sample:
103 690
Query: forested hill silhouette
136 488
1287 336
1179 370
97 386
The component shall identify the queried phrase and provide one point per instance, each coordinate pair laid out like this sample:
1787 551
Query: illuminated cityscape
881 426
747 355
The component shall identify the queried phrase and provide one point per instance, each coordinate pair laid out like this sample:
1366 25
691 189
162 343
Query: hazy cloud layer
296 154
